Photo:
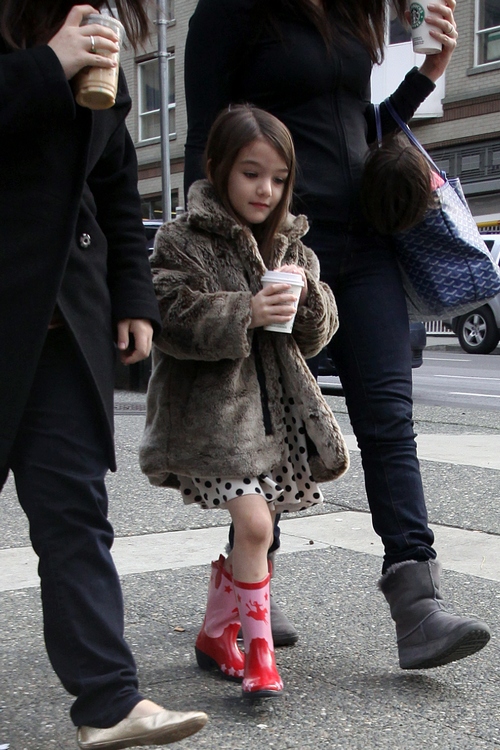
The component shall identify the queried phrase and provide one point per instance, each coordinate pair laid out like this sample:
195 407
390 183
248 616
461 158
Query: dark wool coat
213 406
70 230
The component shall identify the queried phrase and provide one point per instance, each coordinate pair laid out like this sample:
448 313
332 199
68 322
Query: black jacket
70 230
322 95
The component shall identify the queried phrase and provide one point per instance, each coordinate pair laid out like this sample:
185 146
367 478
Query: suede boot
428 636
284 633
261 678
216 646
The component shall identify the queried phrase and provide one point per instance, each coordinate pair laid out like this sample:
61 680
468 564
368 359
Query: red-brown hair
396 189
364 19
237 127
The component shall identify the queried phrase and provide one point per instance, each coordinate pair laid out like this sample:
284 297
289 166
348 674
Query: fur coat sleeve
317 320
199 321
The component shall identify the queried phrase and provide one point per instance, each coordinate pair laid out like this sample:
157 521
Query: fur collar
207 213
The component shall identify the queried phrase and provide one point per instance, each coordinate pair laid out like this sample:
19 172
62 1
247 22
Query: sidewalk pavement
344 688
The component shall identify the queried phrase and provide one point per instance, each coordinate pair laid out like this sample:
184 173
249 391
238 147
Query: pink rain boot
261 678
216 646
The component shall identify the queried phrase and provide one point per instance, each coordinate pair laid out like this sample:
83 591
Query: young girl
235 419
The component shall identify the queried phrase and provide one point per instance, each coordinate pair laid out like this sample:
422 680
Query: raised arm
420 82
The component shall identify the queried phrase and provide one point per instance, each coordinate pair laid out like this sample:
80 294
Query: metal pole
163 55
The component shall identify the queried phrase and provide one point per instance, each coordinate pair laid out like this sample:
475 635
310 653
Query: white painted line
465 377
470 552
445 359
479 395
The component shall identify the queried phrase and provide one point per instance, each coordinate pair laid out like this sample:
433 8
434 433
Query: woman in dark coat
74 279
309 62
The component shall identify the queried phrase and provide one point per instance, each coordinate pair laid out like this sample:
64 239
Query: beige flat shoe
158 729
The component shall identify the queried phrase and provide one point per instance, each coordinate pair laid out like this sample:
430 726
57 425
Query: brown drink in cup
95 87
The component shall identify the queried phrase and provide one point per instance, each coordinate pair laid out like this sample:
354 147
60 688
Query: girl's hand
274 304
292 268
73 44
134 339
443 28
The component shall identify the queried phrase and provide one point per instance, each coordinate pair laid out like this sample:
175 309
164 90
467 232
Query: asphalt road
458 379
449 377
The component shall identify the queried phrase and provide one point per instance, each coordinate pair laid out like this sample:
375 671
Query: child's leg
253 533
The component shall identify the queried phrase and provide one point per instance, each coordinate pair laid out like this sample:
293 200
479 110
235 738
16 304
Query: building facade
142 72
459 124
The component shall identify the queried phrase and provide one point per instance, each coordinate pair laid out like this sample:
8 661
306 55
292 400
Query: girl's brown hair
364 19
234 129
26 23
396 188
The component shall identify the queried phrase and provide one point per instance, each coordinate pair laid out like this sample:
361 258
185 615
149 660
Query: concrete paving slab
343 687
467 450
472 552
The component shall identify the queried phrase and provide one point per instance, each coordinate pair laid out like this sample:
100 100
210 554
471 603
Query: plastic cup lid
285 278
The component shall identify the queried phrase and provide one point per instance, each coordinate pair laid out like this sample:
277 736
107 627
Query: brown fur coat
213 407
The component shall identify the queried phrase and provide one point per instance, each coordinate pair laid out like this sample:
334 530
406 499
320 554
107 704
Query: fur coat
213 404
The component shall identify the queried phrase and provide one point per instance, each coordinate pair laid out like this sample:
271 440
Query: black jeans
59 464
372 354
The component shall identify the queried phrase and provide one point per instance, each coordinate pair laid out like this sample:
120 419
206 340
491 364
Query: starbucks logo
417 15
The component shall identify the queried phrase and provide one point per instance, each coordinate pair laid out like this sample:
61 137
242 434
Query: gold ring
92 45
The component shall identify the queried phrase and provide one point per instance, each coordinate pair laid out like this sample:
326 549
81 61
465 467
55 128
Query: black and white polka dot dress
289 487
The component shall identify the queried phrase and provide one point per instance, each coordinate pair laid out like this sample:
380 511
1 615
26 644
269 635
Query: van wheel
477 331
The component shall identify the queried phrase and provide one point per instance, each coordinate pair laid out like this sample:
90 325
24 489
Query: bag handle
406 130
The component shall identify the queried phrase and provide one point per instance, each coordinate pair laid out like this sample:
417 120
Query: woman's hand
73 43
273 304
134 339
292 268
444 29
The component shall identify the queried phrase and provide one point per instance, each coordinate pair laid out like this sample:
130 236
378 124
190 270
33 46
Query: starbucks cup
423 42
95 87
296 284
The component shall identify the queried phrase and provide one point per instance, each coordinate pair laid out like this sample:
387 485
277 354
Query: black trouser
372 354
59 463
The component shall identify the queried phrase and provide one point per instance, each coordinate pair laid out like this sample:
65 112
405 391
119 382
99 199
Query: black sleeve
34 91
113 183
411 92
217 37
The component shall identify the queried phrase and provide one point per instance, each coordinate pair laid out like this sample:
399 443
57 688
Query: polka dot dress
289 487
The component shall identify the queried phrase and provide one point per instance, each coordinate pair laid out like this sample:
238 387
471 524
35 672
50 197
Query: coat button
85 240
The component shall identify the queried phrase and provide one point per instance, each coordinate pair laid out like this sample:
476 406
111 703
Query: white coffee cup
423 42
296 284
95 87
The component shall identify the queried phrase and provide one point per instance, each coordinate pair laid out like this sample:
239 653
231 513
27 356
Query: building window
170 10
149 99
487 31
152 208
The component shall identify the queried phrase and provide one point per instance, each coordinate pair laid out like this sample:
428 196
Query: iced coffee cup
296 284
422 41
95 87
